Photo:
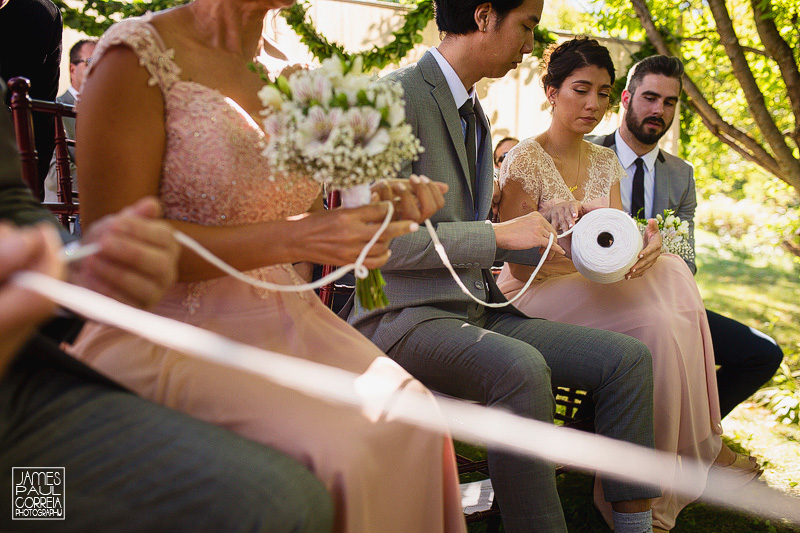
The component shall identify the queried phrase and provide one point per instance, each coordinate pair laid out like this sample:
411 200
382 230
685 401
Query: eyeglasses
85 61
501 158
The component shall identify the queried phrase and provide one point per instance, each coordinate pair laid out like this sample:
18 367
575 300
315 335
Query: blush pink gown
663 309
383 475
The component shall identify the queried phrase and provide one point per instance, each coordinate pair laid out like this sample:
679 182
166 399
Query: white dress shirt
627 158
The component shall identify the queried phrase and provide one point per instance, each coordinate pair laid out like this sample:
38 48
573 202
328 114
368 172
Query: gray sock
633 522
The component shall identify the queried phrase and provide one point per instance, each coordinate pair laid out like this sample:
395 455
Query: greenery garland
95 16
403 39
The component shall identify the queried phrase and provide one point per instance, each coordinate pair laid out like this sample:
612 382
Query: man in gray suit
497 357
80 55
747 357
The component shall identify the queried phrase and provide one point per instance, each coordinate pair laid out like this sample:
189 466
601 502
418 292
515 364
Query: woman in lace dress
563 177
170 108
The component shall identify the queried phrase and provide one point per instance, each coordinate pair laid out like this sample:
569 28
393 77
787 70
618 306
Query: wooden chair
22 109
334 295
574 408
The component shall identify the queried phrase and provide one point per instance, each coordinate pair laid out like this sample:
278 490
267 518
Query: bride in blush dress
170 108
563 177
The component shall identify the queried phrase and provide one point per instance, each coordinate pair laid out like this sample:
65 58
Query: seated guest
502 148
148 468
562 176
187 132
498 357
80 56
746 357
500 152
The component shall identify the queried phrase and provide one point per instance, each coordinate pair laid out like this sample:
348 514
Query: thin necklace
561 165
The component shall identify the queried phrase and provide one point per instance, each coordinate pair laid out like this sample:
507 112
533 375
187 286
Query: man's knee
523 385
309 509
287 498
633 358
772 356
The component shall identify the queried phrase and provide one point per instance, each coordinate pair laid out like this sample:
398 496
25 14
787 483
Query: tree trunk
782 164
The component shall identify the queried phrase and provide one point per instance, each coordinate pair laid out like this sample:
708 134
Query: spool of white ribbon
605 245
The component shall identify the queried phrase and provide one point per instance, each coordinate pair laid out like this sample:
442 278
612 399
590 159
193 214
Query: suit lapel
447 107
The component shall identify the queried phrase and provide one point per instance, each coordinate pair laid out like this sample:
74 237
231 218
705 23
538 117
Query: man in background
747 358
80 55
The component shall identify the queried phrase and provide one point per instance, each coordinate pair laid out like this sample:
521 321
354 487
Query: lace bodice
213 172
530 165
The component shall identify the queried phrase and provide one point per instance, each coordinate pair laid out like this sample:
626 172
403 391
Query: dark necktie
637 193
467 112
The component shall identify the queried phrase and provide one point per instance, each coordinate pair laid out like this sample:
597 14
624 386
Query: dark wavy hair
668 66
458 16
560 61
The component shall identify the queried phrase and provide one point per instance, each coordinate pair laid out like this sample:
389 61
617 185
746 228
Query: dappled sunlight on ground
777 446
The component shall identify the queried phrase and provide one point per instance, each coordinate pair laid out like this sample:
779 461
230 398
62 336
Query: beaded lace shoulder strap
140 36
604 170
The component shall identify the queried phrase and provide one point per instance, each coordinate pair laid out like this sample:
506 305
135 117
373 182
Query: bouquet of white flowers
344 129
674 234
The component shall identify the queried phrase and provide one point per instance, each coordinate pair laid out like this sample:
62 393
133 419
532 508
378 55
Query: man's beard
636 127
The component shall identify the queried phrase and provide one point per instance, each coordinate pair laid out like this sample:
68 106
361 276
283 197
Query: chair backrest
335 294
22 109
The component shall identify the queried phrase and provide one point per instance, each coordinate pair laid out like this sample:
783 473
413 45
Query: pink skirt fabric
664 310
383 475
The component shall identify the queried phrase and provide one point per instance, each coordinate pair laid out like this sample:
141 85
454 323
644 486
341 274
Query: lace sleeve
141 37
521 165
604 171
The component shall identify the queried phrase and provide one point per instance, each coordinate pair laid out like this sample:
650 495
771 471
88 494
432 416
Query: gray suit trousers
505 360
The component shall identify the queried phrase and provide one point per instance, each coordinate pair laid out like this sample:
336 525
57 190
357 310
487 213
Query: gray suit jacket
69 122
418 286
674 186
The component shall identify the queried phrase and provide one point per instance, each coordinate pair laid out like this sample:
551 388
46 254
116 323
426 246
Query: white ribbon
468 422
71 253
437 245
596 262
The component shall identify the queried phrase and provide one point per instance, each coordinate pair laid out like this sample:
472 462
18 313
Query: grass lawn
763 293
